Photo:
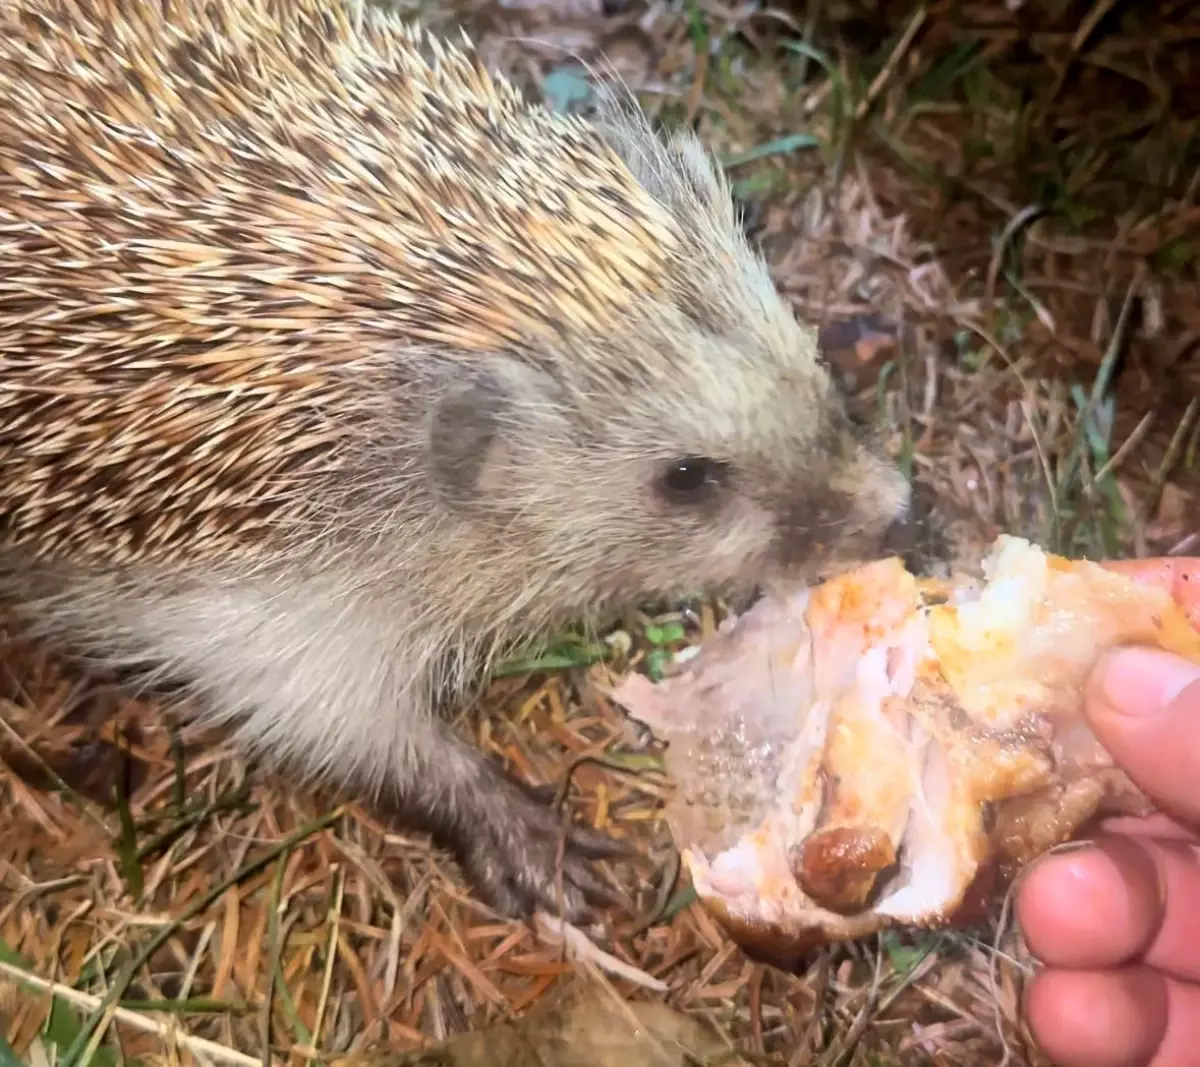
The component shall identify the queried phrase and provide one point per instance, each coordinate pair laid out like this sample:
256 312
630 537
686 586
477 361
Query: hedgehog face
738 460
749 473
690 440
618 490
777 504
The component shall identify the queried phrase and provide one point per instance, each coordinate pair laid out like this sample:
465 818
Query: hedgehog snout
858 514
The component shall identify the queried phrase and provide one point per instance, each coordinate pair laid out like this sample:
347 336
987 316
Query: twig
1023 218
132 1018
893 61
1170 457
578 945
1128 445
72 1057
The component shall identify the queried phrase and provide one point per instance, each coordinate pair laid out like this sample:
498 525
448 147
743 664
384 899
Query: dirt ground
994 220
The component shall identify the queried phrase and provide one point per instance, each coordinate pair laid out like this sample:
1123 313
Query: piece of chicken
869 752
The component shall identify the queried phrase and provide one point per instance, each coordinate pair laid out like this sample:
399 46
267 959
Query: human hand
1117 924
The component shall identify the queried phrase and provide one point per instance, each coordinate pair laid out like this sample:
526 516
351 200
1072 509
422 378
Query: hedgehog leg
516 851
311 678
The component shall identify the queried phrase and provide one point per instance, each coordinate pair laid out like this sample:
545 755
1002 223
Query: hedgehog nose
900 537
916 537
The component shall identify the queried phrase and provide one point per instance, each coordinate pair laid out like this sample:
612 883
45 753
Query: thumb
1144 706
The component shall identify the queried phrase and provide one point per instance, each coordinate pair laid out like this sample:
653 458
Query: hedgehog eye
691 479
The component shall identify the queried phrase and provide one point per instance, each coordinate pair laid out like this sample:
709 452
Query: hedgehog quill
330 366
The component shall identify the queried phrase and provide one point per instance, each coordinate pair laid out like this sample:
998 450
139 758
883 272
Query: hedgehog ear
473 422
464 431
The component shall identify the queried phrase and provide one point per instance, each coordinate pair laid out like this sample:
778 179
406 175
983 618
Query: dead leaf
585 1027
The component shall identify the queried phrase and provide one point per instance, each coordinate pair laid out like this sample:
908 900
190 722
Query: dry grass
194 911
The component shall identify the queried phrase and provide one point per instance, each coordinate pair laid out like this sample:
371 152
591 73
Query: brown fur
328 366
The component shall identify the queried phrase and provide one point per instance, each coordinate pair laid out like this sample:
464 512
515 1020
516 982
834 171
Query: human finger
1158 825
1090 908
1100 1018
1133 1017
1180 577
1118 901
1143 705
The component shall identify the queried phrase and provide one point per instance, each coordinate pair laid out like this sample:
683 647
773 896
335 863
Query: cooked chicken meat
868 752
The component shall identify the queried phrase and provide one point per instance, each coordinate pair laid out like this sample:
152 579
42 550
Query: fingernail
1143 681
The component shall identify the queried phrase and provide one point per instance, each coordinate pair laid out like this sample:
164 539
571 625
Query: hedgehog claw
599 846
515 852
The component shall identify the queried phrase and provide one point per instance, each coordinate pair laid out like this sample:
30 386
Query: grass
1035 251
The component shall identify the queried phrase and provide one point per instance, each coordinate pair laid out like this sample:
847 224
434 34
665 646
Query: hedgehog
331 366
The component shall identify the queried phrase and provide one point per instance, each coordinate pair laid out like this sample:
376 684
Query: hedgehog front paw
514 851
